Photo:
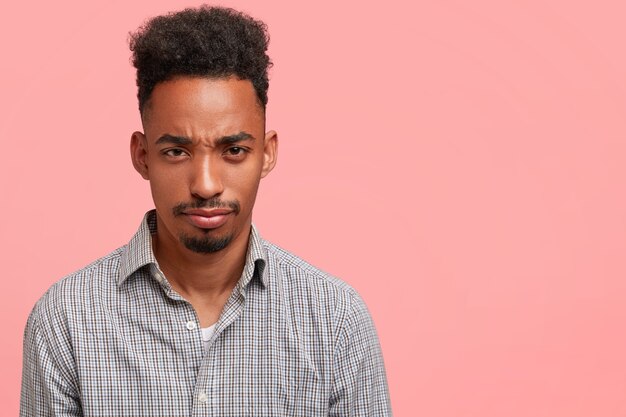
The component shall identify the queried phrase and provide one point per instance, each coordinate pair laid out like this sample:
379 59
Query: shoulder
74 290
305 284
296 269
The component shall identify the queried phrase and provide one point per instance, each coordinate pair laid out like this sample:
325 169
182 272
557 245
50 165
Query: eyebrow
173 140
224 140
230 139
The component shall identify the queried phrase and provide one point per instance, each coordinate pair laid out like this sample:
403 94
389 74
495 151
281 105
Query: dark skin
204 140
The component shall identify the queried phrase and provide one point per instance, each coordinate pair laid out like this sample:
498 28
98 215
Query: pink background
460 163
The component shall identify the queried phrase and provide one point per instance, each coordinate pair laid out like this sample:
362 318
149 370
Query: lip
207 212
207 218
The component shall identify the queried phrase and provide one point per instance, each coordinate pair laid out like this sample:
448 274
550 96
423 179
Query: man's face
204 152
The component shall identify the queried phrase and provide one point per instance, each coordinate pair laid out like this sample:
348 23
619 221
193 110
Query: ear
139 153
270 152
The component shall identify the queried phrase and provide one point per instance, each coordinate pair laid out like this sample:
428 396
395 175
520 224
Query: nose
206 181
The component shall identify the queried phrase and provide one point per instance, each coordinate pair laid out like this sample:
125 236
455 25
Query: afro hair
213 42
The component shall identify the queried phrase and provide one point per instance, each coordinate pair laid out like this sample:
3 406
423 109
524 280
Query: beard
206 244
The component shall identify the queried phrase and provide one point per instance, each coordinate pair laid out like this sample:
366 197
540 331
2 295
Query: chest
151 361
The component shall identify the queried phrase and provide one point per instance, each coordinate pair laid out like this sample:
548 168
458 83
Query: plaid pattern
114 339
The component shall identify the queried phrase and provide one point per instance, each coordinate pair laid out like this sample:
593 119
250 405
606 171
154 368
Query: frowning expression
204 152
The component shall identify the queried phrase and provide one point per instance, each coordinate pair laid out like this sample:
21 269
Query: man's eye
235 151
174 152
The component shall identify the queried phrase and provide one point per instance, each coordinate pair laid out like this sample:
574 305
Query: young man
198 315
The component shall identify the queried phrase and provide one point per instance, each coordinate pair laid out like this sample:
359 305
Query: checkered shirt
114 339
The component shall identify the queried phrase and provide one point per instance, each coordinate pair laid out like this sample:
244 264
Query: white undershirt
207 332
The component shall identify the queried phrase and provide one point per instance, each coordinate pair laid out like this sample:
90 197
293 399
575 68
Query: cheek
242 183
167 186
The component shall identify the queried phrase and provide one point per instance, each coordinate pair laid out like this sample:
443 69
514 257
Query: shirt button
202 397
191 325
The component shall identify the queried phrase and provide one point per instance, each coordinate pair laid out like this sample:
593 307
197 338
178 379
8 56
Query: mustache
208 203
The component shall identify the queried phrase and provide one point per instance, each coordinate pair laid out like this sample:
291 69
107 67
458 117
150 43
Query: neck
195 275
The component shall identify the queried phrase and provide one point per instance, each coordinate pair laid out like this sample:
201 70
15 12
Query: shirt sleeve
47 388
359 379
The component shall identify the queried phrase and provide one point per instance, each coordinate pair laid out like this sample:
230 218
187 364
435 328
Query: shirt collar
138 253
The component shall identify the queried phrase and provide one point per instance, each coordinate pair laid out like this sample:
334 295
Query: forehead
203 108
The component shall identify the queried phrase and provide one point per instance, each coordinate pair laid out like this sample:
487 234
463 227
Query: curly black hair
213 42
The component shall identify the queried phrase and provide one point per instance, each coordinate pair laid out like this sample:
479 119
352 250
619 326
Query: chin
206 244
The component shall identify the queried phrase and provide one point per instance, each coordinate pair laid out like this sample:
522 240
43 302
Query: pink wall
460 163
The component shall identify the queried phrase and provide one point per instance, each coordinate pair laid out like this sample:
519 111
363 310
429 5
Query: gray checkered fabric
114 339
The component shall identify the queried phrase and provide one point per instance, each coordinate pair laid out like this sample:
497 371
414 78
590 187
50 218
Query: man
198 315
